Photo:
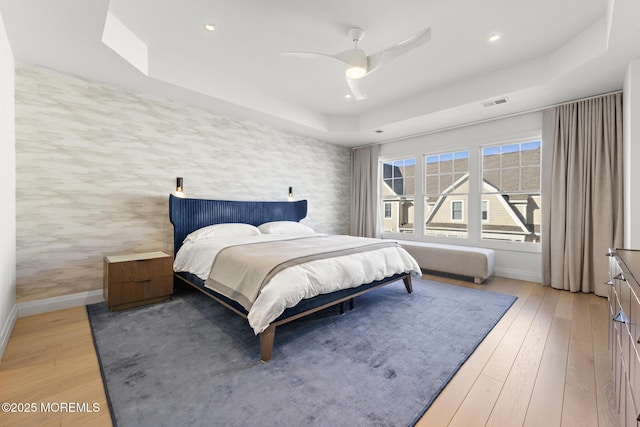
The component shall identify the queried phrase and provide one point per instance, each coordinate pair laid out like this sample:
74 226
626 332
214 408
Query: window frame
449 142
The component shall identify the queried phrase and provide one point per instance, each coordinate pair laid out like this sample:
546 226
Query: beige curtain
363 219
582 192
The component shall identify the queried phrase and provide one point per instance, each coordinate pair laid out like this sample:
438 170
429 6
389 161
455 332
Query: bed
277 292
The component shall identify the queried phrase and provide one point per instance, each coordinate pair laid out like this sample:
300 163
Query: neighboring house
514 218
510 197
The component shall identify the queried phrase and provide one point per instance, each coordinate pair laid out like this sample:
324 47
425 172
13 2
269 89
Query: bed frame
188 215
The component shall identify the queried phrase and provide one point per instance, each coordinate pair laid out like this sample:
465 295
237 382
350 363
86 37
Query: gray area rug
191 362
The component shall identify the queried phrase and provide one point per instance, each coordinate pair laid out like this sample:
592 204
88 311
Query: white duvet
293 284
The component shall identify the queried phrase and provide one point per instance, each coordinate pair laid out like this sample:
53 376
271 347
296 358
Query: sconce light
290 198
179 188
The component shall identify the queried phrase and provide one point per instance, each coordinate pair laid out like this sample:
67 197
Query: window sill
488 244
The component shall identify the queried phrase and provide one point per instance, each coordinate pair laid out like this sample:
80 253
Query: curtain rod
477 122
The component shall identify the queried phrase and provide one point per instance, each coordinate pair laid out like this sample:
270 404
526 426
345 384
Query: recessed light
348 96
494 38
209 27
378 131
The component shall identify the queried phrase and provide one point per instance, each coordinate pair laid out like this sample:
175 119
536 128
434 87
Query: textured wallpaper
95 166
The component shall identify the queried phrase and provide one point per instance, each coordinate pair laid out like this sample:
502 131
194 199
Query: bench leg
351 304
266 343
407 283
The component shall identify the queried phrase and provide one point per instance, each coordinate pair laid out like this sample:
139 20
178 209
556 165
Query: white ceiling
550 51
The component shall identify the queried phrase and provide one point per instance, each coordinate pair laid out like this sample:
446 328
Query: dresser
624 332
136 279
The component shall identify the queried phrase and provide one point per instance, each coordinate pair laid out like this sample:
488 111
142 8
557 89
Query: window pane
511 148
439 212
432 165
446 163
461 164
510 160
458 176
397 193
446 193
456 210
387 210
530 178
510 179
531 154
432 184
511 192
400 219
445 183
513 217
445 169
492 177
490 160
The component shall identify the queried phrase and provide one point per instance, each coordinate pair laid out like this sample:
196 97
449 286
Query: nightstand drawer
136 270
128 292
135 279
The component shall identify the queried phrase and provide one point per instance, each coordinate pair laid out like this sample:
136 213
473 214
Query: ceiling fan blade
356 89
308 55
377 60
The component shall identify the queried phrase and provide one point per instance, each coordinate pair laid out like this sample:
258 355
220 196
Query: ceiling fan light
355 72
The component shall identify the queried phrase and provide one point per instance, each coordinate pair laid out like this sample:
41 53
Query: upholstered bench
463 260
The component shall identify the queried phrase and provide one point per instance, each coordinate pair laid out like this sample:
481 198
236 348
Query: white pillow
285 227
222 230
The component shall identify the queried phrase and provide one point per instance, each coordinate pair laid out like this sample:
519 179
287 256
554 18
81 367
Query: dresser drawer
624 330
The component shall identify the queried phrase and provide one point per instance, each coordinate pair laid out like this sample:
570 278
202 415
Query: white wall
7 192
95 166
512 260
631 136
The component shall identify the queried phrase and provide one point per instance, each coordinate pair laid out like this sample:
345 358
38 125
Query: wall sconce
290 198
179 188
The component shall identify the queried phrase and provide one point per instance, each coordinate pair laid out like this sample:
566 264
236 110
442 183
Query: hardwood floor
50 359
545 363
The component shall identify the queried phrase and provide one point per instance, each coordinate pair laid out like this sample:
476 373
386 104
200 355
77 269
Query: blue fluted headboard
188 215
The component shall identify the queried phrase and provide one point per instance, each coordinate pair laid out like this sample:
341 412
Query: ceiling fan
359 64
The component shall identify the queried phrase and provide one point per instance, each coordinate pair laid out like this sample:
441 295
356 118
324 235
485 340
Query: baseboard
7 328
528 276
46 305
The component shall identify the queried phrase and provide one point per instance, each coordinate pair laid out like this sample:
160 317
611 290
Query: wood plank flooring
50 359
545 363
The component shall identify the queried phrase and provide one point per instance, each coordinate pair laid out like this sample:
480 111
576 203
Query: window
511 184
456 210
446 189
398 190
388 212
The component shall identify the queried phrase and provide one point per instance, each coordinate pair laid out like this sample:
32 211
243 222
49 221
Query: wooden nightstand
137 279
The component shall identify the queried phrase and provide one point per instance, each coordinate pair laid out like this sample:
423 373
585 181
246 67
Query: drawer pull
611 253
609 282
621 317
619 277
142 281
